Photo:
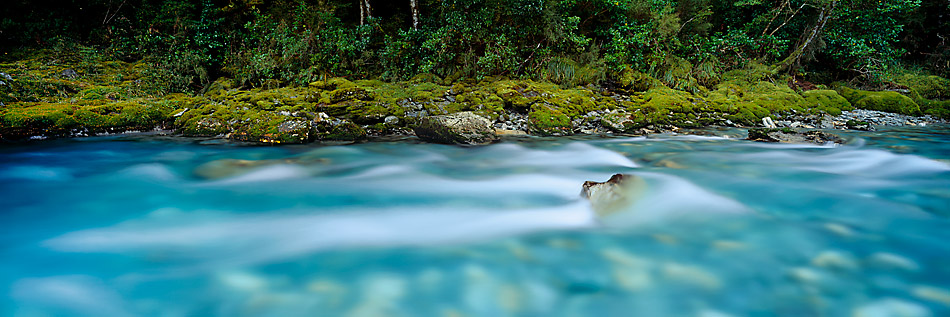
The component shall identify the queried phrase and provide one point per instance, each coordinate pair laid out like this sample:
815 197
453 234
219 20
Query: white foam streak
669 197
36 173
254 239
78 294
853 162
574 154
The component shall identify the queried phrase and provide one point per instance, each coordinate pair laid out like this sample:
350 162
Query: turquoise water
164 226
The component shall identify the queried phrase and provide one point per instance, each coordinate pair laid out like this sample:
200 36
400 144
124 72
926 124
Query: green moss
59 119
332 84
351 93
342 130
887 101
926 87
425 78
546 120
938 108
828 101
370 112
931 93
220 86
637 81
103 92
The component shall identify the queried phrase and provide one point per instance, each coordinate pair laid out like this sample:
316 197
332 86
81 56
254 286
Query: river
150 225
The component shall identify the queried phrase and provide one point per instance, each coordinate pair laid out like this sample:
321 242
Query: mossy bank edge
44 100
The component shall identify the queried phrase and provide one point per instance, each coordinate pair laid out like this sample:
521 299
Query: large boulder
457 128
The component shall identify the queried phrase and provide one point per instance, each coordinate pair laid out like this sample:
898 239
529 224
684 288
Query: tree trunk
362 12
369 10
415 14
800 50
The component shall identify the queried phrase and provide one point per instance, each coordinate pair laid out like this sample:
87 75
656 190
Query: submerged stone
933 294
458 128
892 307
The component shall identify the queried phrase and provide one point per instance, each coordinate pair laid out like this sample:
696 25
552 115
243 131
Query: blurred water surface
159 226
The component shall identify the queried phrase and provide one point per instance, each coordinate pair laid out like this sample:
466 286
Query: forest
684 43
162 47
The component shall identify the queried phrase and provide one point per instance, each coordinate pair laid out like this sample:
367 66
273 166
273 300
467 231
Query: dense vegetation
711 50
684 43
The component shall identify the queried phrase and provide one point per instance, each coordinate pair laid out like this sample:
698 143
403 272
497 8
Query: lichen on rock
459 128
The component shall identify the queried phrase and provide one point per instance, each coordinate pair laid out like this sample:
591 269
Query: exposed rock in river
614 194
458 128
628 199
787 135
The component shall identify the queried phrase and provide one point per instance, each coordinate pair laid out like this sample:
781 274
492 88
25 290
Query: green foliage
685 44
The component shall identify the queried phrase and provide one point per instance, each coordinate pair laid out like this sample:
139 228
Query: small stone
692 275
242 281
839 229
624 258
665 239
391 120
894 261
69 73
804 275
933 294
632 279
835 260
728 245
668 164
712 313
501 132
891 307
325 286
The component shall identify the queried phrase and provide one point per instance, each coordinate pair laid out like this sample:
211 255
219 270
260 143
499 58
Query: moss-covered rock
888 101
624 122
24 120
352 93
545 120
828 101
326 128
927 87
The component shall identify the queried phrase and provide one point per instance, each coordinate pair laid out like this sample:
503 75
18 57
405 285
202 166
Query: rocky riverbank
858 119
42 100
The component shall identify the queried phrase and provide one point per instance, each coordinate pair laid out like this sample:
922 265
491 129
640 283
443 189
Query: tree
809 37
415 13
366 11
